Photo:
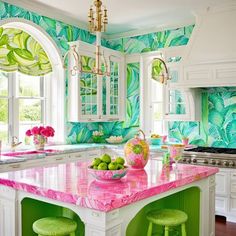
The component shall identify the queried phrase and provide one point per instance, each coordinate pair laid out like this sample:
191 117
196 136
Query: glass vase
39 142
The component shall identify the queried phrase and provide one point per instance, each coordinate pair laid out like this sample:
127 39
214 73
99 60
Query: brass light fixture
163 76
97 24
98 20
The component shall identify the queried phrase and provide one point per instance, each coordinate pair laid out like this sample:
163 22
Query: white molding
139 32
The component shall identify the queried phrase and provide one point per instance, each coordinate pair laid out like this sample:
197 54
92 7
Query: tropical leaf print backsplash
218 125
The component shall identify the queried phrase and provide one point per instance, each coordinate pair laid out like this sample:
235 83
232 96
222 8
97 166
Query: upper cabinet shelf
93 97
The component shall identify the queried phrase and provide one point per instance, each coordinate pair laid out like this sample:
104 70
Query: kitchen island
109 209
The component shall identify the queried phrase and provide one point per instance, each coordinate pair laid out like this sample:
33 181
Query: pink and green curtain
19 51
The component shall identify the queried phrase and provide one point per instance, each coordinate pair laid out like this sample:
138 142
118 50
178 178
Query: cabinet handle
15 166
234 175
77 156
59 158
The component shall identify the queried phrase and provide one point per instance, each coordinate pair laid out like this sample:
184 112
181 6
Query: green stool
167 218
55 226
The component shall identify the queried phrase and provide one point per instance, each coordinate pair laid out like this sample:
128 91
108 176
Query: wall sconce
159 71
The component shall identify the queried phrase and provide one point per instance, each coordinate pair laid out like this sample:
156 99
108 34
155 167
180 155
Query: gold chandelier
98 20
97 23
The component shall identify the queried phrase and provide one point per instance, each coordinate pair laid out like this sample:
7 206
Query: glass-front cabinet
93 97
180 103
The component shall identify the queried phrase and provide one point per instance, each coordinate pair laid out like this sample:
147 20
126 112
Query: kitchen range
210 156
225 160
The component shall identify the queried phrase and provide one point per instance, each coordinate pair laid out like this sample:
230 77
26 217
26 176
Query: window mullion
13 106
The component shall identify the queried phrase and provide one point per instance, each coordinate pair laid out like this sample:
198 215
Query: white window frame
13 102
56 104
145 93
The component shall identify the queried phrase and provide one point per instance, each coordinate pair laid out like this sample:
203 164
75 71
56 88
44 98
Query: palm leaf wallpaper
218 125
20 51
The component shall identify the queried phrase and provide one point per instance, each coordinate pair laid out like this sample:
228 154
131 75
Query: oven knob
231 163
189 160
194 160
226 163
218 162
184 159
205 161
213 162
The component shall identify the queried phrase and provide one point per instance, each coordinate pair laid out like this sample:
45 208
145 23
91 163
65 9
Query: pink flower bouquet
40 135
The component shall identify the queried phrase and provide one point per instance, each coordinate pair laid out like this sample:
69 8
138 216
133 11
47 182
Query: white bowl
114 140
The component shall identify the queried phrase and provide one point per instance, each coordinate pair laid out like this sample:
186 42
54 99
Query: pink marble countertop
71 183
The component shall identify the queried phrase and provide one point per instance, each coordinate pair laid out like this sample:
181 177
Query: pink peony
35 130
47 131
28 132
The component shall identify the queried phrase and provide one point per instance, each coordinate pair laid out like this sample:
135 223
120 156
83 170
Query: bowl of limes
105 169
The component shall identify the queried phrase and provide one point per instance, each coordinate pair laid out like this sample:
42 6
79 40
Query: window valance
21 52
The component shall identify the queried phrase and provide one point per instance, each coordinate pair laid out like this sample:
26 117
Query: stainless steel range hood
210 56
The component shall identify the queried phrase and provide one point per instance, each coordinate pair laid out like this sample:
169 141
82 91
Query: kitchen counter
69 182
100 204
31 154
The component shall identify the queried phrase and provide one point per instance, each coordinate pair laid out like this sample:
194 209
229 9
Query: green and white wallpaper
19 51
218 125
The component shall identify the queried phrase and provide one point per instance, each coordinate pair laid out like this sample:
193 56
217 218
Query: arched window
31 81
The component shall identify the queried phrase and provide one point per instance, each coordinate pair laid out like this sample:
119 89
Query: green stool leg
72 234
149 233
183 230
166 231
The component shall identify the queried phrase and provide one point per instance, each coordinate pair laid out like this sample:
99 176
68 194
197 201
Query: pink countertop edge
102 196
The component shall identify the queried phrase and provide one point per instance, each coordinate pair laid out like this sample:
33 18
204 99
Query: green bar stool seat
167 218
55 226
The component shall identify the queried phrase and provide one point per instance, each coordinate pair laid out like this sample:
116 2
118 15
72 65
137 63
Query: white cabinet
93 97
222 191
180 103
226 194
222 180
8 211
209 75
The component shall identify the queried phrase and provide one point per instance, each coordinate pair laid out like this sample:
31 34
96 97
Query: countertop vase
137 152
39 142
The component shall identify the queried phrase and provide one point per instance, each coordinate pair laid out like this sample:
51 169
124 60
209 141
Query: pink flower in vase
40 135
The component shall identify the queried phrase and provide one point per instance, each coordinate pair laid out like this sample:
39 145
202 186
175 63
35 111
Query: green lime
119 167
106 158
112 166
120 160
96 161
102 166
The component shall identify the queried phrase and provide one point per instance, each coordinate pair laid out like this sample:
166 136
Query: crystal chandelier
97 18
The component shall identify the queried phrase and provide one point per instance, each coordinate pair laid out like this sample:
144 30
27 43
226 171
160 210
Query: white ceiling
124 16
